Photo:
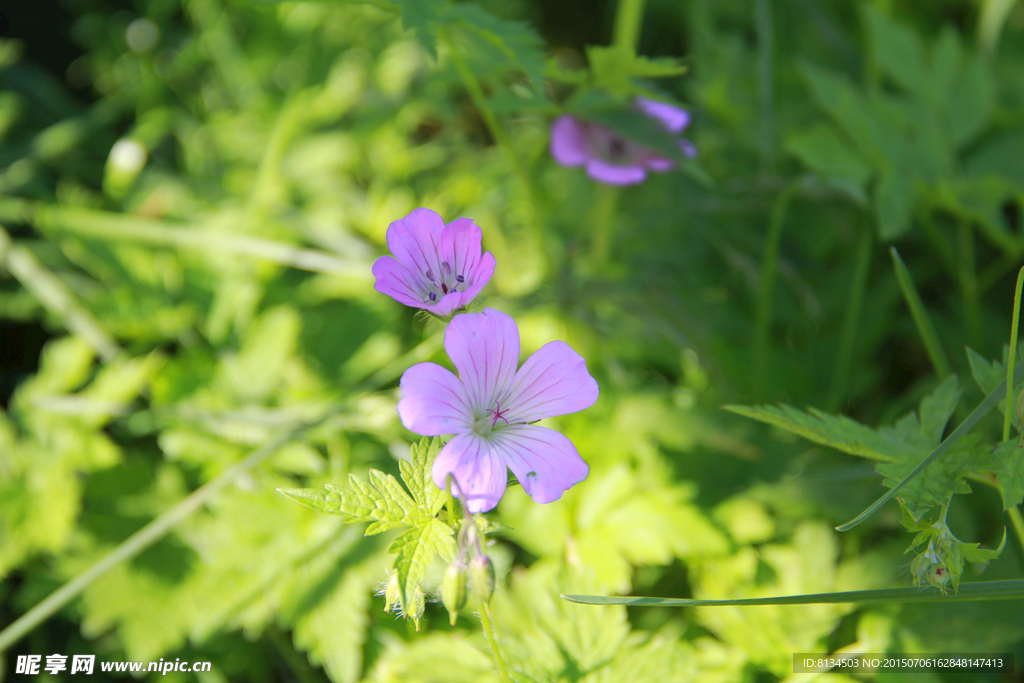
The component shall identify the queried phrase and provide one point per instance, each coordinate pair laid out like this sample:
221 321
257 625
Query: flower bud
481 571
417 605
453 588
392 595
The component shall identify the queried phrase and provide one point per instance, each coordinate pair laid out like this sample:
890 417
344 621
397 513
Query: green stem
849 333
969 283
485 621
921 319
1012 358
149 534
629 16
769 269
605 210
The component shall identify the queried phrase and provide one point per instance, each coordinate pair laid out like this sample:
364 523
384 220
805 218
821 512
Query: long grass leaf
984 590
921 319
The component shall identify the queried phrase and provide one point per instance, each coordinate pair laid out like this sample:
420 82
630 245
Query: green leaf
982 590
976 415
972 102
845 103
827 154
418 479
421 17
615 69
321 501
1010 457
1003 156
894 202
898 50
416 549
517 41
987 375
835 431
933 485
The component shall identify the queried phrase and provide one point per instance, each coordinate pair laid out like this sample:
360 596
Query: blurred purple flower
609 157
490 408
437 267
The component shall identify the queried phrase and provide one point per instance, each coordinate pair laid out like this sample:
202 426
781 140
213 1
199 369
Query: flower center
447 282
486 423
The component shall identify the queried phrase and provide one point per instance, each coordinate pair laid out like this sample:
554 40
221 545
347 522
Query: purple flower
436 266
609 157
492 408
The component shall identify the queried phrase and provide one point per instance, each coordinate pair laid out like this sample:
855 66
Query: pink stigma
497 413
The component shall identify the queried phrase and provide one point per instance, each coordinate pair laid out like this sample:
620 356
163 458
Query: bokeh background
192 194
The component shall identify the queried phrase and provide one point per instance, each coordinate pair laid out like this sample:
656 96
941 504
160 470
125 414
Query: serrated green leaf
517 41
416 549
933 486
936 409
381 500
835 431
416 473
421 17
321 501
987 374
1010 457
976 415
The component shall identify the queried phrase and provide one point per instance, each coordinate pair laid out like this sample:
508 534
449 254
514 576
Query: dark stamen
460 279
447 269
433 296
617 147
444 288
430 275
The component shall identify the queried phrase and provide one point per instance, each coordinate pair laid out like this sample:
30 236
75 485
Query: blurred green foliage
197 241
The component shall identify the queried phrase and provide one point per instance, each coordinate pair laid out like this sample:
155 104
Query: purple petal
604 172
414 240
569 145
478 467
689 149
433 401
460 245
395 280
478 278
485 349
672 117
544 461
553 381
659 164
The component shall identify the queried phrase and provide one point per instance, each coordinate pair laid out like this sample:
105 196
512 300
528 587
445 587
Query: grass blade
990 402
983 590
921 320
